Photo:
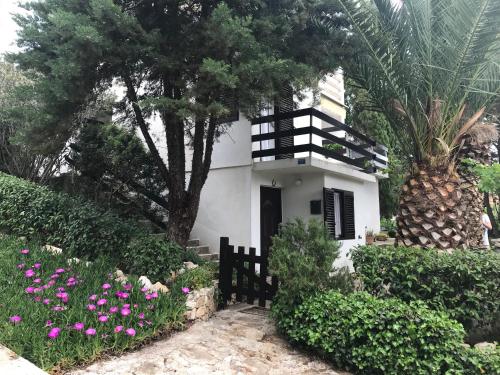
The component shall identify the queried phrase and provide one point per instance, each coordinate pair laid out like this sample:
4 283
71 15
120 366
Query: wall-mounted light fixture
298 181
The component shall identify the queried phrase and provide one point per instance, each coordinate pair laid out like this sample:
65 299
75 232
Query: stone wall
201 304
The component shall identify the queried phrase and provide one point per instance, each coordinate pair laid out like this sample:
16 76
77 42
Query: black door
270 216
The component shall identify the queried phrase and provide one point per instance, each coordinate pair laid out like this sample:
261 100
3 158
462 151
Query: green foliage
388 224
199 277
335 147
489 177
71 348
463 283
374 336
302 258
153 257
478 362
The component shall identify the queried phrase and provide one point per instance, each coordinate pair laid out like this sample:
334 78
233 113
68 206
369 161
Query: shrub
302 258
388 224
376 336
464 283
153 257
197 278
89 292
477 362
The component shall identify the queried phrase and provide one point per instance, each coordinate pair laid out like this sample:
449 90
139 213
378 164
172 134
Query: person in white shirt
486 226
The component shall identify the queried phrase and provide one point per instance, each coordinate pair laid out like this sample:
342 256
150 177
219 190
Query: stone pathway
232 342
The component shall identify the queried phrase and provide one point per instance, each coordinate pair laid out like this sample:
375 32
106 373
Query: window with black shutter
339 213
230 100
283 105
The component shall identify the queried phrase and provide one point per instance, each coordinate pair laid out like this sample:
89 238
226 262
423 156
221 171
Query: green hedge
464 283
374 336
83 230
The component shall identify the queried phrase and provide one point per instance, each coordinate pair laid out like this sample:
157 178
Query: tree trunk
181 219
431 212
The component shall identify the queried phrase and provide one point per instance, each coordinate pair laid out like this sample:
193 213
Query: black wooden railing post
224 242
239 273
251 277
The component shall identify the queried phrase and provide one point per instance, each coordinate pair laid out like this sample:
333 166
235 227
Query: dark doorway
270 216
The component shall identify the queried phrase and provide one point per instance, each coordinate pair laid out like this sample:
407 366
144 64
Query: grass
30 337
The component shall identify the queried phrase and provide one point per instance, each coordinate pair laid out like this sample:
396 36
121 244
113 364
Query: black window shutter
348 216
285 104
329 210
230 100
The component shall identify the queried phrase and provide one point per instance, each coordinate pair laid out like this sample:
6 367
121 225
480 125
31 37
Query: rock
465 345
73 260
190 265
159 287
119 273
23 239
145 282
201 313
181 271
52 249
484 346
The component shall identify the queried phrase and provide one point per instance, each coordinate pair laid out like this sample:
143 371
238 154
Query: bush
463 283
302 258
43 306
478 362
376 336
152 257
199 277
388 224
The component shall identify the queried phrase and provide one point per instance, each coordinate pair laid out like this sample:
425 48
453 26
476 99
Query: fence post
251 276
224 243
263 279
239 263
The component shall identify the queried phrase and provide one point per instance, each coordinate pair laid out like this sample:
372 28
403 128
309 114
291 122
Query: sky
7 25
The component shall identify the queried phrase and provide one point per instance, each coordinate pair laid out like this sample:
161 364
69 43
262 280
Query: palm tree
432 66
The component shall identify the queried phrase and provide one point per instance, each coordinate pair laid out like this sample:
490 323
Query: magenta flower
46 301
24 251
37 299
136 305
90 332
54 332
54 276
91 307
29 273
130 331
15 319
125 312
127 286
51 283
78 326
122 295
29 290
37 290
93 297
126 305
102 301
113 309
144 289
60 270
185 290
48 323
37 265
105 293
141 315
106 286
58 308
103 318
118 329
20 266
141 323
37 280
60 289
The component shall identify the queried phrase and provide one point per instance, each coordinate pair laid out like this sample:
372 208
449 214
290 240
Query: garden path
234 341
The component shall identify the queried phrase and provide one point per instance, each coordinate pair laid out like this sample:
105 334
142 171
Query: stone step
193 243
210 257
199 249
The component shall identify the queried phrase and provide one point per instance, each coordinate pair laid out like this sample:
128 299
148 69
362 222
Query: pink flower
141 323
102 301
15 319
29 273
113 309
78 326
118 329
29 290
91 307
93 297
63 296
136 305
121 295
127 286
126 305
103 318
185 290
46 301
130 331
125 312
106 286
54 332
58 308
90 332
60 270
141 315
37 290
51 283
20 266
144 289
60 289
48 323
37 280
54 276
105 293
37 265
37 299
25 251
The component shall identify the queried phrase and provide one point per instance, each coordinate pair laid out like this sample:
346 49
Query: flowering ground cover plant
58 315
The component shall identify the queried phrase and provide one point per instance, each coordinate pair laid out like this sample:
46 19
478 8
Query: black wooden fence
237 274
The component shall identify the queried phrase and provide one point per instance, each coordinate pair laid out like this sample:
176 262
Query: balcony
311 133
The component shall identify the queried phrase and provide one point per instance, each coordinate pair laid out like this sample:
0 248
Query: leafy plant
91 316
199 277
463 283
388 224
152 257
302 257
335 147
374 336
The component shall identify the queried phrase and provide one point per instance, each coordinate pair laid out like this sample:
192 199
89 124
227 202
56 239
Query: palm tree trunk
431 211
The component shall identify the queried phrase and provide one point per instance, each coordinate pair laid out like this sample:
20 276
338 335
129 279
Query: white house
289 163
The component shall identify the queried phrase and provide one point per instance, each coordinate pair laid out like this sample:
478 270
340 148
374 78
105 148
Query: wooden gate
237 275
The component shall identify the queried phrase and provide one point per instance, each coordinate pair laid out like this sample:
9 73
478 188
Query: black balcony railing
354 149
